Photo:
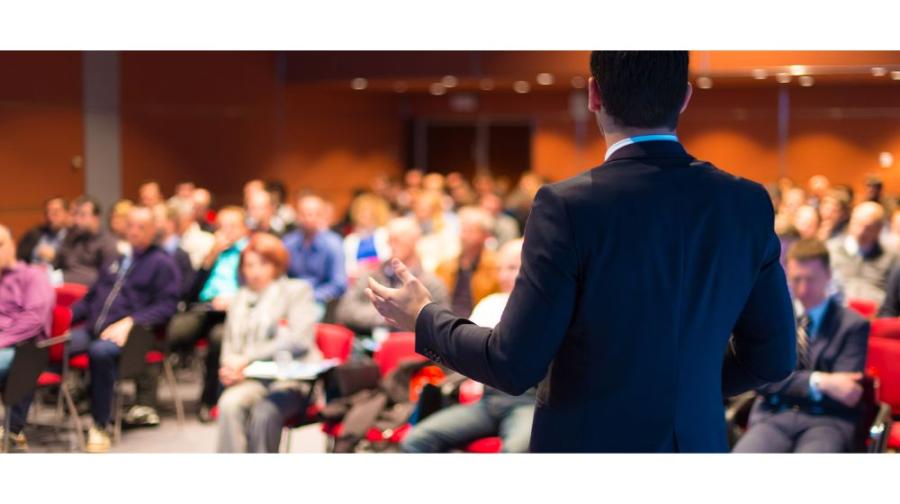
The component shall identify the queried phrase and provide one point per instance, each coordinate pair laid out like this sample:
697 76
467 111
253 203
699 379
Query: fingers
402 271
380 290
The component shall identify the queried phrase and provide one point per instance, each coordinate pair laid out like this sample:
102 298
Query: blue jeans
104 362
456 426
17 412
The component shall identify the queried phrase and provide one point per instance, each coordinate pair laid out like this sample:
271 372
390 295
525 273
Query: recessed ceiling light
486 84
798 70
578 82
895 75
545 79
879 71
521 87
704 82
437 89
807 80
886 159
760 74
783 78
359 83
449 81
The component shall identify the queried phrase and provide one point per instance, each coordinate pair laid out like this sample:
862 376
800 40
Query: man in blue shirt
814 409
317 253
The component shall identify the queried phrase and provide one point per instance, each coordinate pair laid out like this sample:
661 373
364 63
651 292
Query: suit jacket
839 345
634 275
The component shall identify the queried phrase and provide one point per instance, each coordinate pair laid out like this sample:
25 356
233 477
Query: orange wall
41 131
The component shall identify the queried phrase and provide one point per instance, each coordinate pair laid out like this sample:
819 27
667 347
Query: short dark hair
51 199
808 250
277 187
641 89
97 209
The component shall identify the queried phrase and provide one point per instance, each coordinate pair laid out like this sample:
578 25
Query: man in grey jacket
356 311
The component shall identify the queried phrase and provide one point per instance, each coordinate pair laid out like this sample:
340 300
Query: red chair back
884 363
69 294
334 341
864 307
886 328
62 321
399 346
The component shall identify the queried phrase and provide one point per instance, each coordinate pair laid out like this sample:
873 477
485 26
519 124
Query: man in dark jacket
814 409
136 290
40 243
86 250
634 276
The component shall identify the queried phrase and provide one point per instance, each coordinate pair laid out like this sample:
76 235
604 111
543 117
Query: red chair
69 294
884 363
470 392
58 353
864 307
485 445
334 342
399 346
887 327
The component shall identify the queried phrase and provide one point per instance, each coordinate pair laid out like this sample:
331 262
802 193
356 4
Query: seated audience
269 314
40 243
814 409
505 227
136 291
367 245
167 219
317 254
203 212
218 283
859 262
496 412
262 216
473 274
806 222
150 194
356 311
440 230
194 240
834 210
85 250
26 312
118 225
818 186
184 193
283 211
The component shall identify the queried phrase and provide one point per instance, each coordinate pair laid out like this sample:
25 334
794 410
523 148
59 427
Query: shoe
17 442
208 414
98 441
142 415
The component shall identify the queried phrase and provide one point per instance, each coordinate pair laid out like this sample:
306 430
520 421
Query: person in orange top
473 274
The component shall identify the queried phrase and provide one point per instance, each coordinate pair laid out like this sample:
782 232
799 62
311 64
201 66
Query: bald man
137 291
26 304
859 262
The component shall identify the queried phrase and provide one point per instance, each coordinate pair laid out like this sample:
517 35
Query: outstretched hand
401 306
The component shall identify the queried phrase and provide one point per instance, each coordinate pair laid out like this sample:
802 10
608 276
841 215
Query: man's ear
687 97
594 103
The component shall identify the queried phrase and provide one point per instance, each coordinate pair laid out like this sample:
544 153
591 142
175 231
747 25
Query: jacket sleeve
37 301
763 344
515 355
337 275
165 303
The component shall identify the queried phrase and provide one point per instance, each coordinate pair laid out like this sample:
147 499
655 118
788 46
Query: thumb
402 271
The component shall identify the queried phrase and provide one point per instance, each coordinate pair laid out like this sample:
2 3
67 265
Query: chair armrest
63 338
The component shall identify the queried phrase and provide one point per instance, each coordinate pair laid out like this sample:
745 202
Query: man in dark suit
813 410
634 275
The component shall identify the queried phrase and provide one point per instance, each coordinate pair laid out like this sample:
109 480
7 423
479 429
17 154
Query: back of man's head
641 89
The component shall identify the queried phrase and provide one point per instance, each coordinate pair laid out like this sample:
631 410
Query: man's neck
621 134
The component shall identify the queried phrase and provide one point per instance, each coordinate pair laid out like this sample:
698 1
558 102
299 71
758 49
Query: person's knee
230 404
103 352
420 440
266 412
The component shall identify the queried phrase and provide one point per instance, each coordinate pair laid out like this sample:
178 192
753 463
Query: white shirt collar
637 139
